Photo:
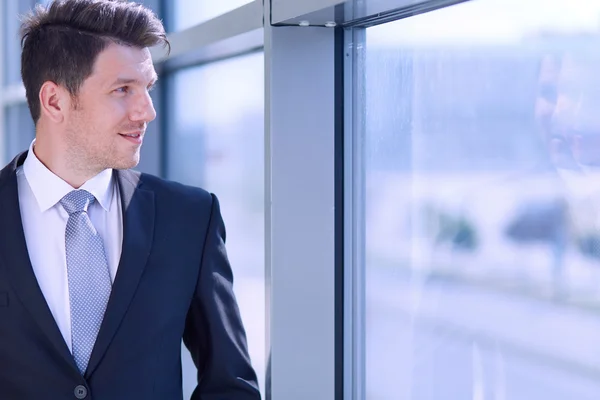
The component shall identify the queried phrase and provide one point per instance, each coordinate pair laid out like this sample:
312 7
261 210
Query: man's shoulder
172 190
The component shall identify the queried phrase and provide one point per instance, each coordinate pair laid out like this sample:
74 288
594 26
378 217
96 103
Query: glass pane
216 141
13 10
482 210
365 8
19 130
191 12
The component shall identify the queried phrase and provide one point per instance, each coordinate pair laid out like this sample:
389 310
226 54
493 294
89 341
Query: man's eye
123 89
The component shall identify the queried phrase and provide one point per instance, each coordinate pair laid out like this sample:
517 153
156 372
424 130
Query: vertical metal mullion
300 208
349 261
359 225
3 160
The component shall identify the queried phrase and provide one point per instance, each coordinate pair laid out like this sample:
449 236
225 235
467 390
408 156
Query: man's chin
126 164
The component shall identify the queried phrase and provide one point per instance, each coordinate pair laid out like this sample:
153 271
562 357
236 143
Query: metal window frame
303 204
3 138
239 21
283 10
354 234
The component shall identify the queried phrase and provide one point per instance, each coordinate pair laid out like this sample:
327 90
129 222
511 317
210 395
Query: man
104 270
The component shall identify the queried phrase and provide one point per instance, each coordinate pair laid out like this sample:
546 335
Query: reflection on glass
216 139
483 203
192 12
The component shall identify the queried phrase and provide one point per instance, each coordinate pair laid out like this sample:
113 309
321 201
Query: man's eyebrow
129 81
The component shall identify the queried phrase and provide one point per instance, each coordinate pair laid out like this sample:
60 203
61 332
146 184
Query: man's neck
59 165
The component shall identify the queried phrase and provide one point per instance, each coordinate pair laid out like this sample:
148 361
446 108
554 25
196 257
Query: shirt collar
49 189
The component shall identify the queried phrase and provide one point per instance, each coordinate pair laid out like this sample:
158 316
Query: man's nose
143 109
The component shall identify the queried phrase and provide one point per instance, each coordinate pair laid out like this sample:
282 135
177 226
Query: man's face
544 109
576 114
106 125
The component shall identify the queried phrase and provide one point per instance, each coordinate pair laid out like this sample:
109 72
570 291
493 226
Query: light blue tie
89 279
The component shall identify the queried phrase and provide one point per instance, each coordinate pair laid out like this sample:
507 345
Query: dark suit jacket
174 281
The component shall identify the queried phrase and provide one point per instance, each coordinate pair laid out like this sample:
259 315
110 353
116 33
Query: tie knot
77 201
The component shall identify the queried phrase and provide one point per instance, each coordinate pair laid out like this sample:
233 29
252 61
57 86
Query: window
191 12
19 130
216 141
482 202
13 10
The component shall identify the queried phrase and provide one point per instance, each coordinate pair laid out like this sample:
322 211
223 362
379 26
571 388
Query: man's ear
54 101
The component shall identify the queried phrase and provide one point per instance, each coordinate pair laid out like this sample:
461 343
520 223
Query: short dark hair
61 42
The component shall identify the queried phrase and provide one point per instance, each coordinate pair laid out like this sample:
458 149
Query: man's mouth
135 137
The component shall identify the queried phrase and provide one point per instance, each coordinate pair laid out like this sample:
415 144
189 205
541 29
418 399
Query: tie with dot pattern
88 275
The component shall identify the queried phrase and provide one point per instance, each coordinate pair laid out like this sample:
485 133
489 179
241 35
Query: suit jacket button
81 392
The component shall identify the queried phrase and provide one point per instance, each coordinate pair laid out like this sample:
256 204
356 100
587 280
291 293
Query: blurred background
411 189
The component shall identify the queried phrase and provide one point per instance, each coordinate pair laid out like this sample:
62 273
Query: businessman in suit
103 271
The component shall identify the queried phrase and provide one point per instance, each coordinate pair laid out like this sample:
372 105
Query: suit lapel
14 258
138 233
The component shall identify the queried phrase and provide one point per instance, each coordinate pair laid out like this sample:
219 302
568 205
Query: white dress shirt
45 221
